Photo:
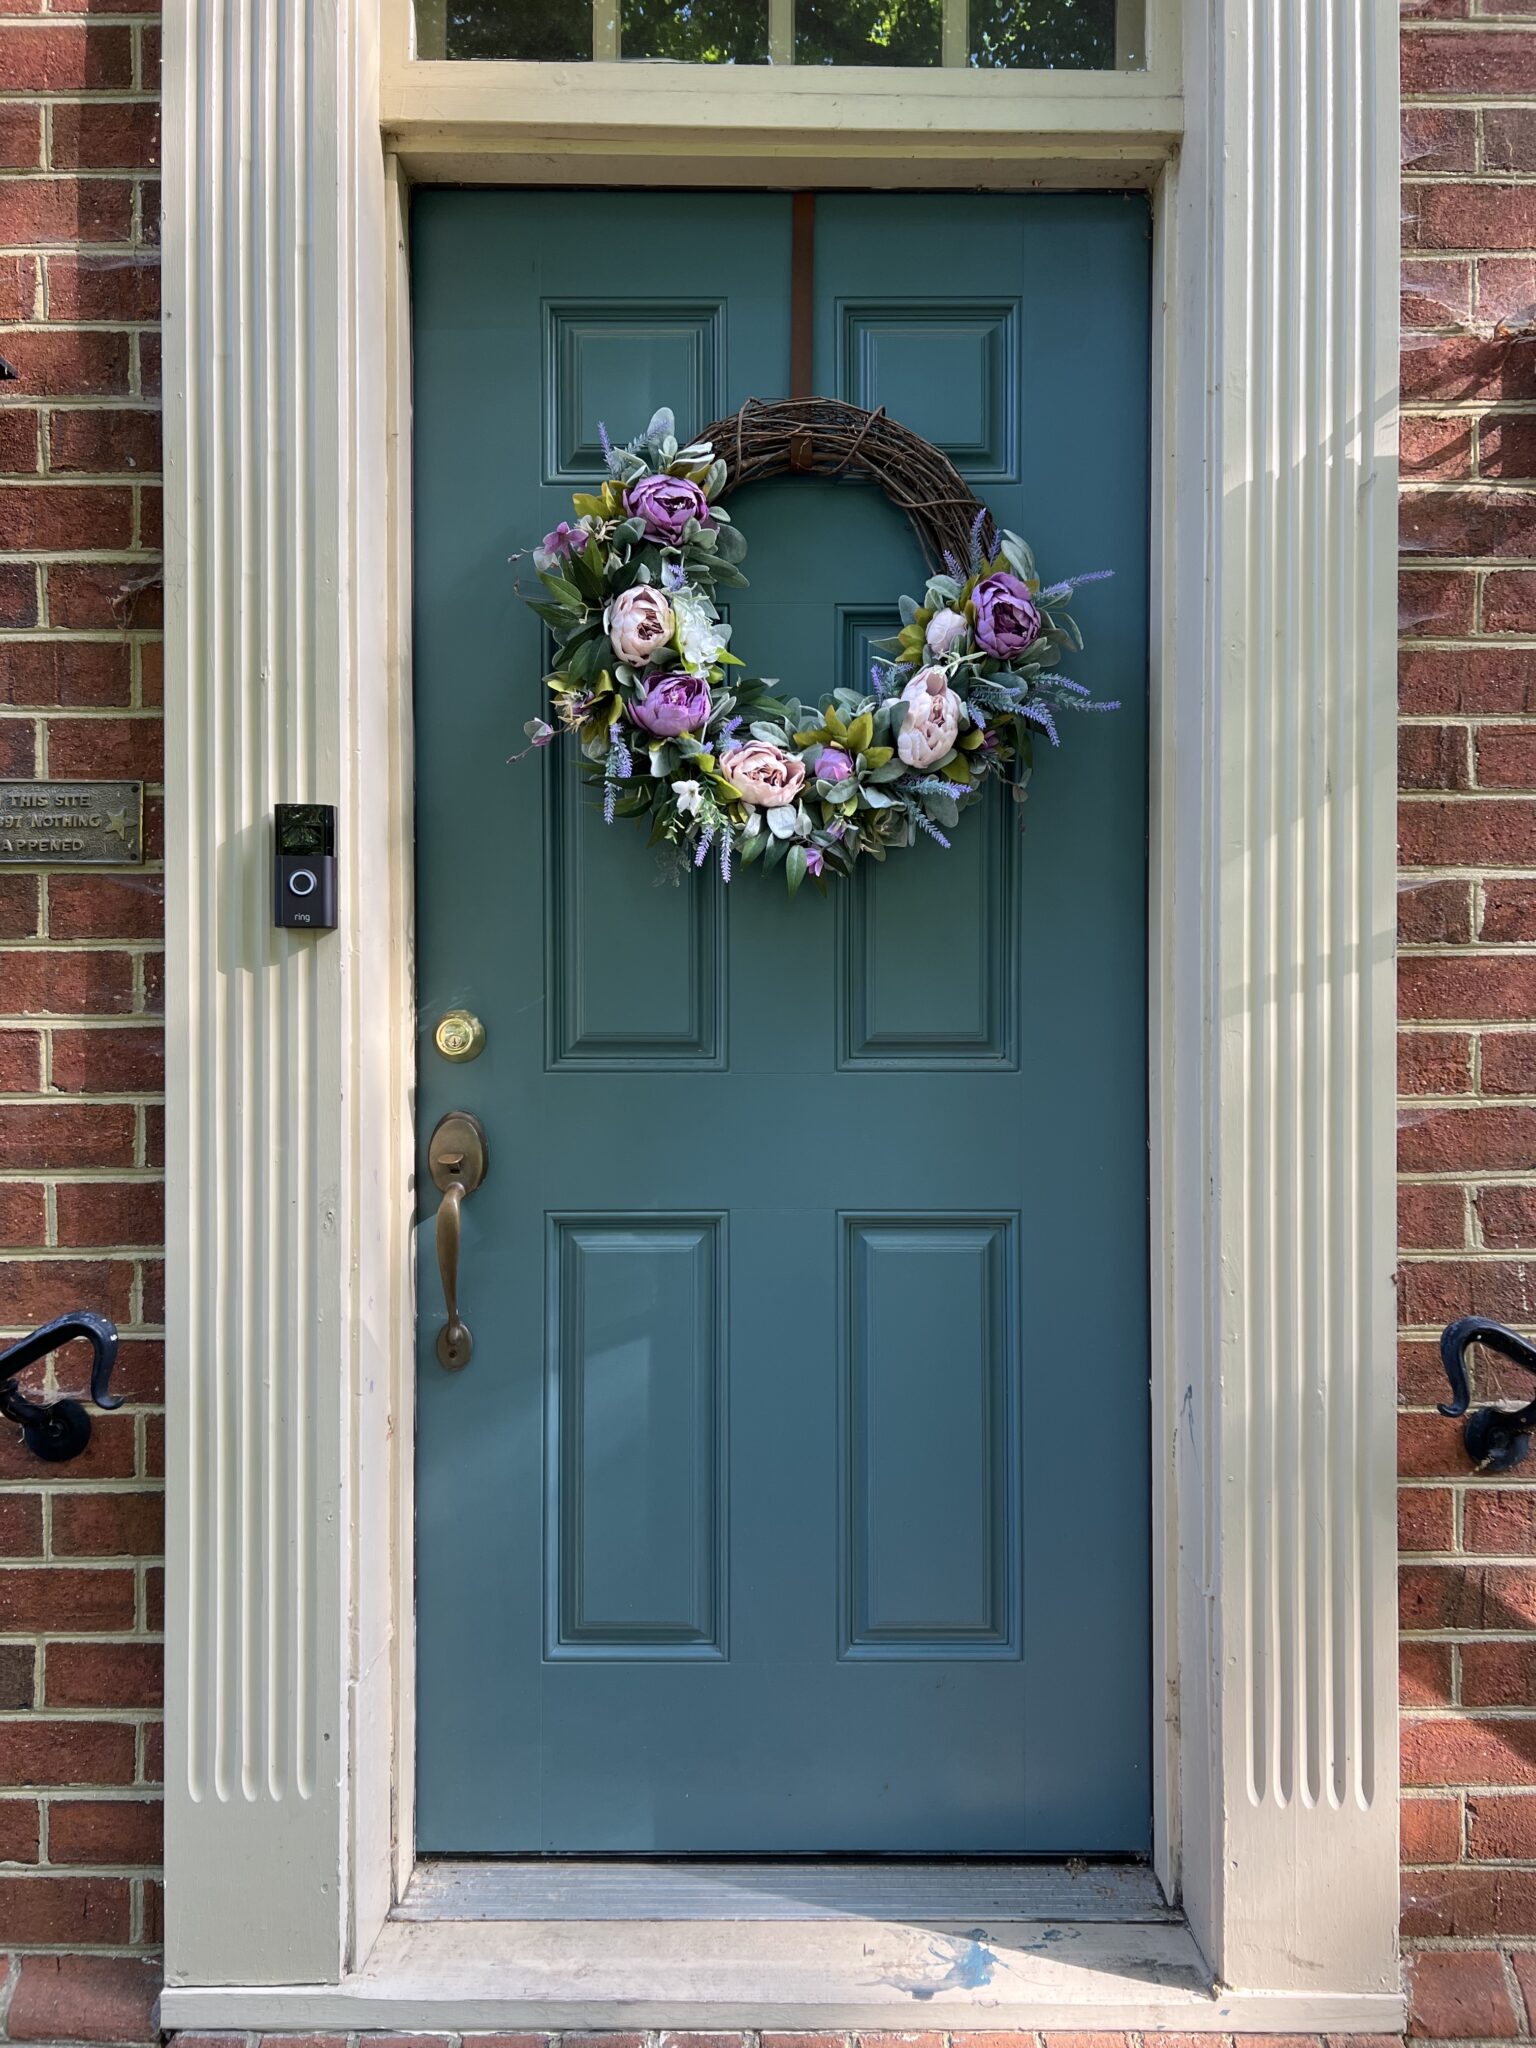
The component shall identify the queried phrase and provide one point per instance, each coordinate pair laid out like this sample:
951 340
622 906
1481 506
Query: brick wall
79 1052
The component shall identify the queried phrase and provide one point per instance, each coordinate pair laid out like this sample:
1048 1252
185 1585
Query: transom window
993 35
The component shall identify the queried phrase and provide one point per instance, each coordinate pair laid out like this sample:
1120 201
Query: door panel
764 1518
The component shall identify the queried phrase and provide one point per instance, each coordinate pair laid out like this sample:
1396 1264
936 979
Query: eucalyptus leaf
781 821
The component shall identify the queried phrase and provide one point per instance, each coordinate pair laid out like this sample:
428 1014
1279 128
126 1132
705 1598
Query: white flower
700 635
689 795
946 630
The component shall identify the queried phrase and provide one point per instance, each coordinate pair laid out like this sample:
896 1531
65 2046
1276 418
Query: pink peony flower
668 705
1007 620
639 624
764 774
946 631
932 723
666 504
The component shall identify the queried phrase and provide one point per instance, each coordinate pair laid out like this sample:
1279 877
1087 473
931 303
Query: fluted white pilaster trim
285 1222
1277 922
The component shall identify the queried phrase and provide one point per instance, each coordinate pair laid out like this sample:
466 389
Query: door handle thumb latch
457 1159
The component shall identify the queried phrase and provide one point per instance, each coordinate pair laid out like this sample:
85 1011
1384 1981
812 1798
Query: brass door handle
457 1159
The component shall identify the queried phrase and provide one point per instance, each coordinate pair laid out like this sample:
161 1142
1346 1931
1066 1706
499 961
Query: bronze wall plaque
71 824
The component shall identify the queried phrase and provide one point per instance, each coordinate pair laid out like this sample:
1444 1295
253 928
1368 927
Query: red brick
1506 756
63 362
58 213
1469 1596
110 1212
1488 63
19 444
109 135
97 440
1458 1904
21 279
23 1214
106 1831
57 59
1424 1674
1488 368
154 1754
45 673
36 1136
32 1291
53 517
18 594
1509 1063
1509 600
1436 292
108 1524
1459 1995
1499 1140
21 1062
1450 990
1433 757
1500 1825
87 595
1435 603
1506 446
66 1752
1434 1062
21 136
1431 446
1425 1520
105 747
60 1910
21 1525
1439 1290
39 984
84 1998
1507 1217
1439 139
1509 912
1431 1830
109 1454
104 906
104 1675
20 1831
116 288
1506 290
1431 1217
110 1062
1426 1447
1468 522
1501 1520
83 1602
1498 1674
18 1666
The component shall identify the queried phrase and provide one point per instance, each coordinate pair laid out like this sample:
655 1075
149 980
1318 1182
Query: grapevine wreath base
737 768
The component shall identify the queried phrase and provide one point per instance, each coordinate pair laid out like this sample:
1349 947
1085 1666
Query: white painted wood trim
289 1774
287 1207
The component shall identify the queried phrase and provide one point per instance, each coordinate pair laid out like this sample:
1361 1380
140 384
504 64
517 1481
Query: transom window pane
1012 35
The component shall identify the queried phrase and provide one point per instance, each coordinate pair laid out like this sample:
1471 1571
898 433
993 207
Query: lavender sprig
706 841
976 525
1068 584
928 826
1037 714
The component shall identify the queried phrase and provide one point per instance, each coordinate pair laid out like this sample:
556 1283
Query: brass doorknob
456 1159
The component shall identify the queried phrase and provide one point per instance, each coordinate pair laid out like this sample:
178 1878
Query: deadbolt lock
459 1036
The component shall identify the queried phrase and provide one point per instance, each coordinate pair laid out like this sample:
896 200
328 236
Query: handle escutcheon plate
457 1159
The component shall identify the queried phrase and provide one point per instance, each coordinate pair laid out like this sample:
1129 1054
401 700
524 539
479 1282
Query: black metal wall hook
1497 1439
59 1430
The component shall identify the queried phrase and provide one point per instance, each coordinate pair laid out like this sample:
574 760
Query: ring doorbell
304 867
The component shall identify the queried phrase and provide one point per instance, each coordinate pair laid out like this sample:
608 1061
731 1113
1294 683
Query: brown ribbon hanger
802 314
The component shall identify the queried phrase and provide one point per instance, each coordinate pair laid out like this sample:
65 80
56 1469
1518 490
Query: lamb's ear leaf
662 424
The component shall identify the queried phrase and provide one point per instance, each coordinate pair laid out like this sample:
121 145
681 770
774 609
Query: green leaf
781 821
562 591
795 866
861 732
752 849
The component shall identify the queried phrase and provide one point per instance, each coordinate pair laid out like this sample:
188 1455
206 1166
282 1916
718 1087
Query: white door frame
292 128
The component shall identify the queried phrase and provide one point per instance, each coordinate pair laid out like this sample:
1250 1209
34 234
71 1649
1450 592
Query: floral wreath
722 765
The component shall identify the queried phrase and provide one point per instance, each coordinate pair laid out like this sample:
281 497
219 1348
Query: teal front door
795 1499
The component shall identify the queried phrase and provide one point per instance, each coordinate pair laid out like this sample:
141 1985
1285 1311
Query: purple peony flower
833 765
666 504
672 704
814 860
1007 620
565 540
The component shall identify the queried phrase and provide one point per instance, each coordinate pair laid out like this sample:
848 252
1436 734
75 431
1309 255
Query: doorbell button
302 882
